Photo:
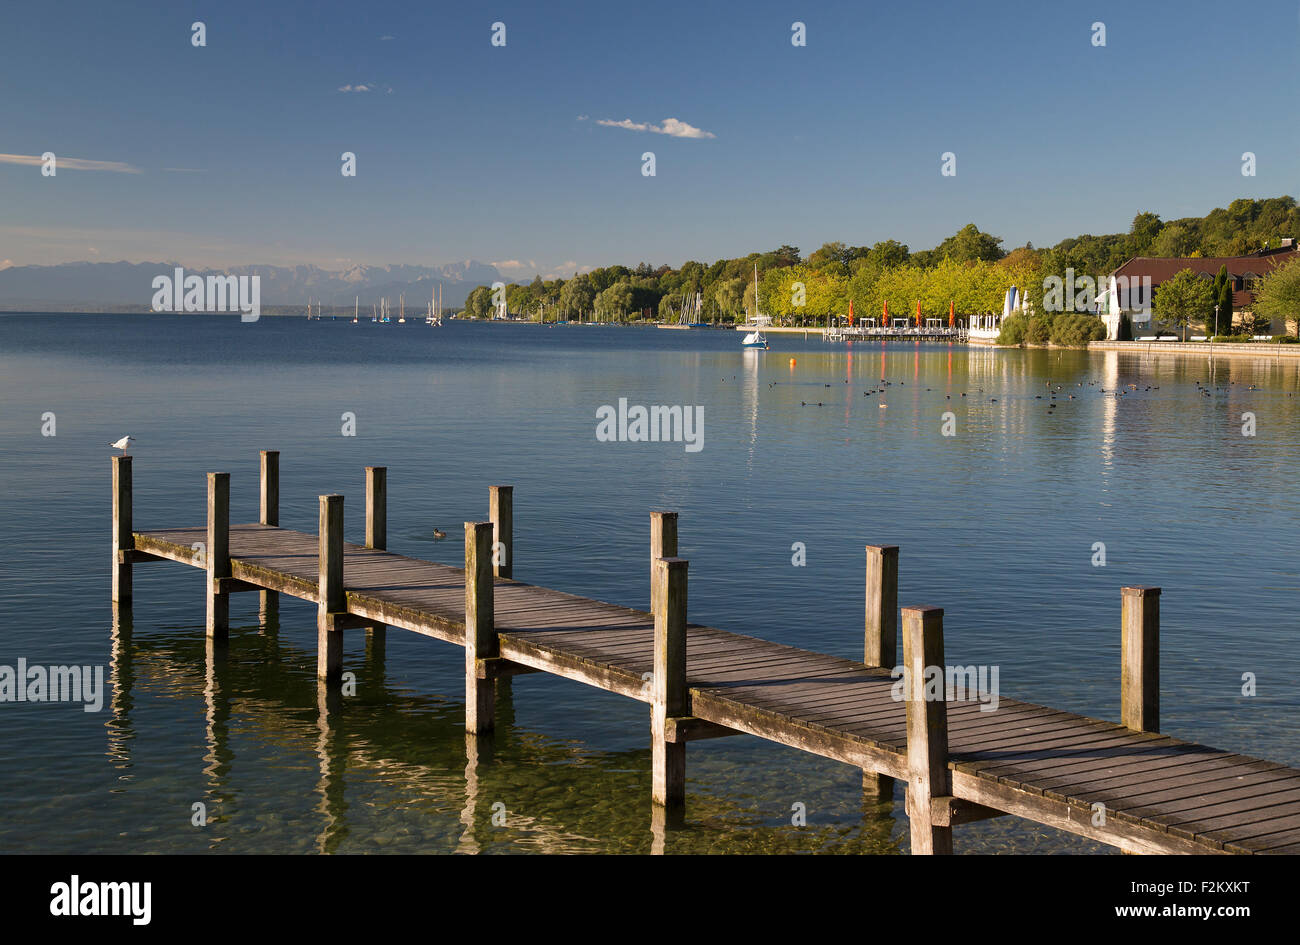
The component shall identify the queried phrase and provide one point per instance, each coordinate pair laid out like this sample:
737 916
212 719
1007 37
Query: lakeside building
1245 271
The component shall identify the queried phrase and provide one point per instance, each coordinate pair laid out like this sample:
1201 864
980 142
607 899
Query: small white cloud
92 250
669 126
384 38
354 88
583 117
70 164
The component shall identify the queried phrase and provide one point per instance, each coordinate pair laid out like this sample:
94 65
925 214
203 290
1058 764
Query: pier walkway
961 756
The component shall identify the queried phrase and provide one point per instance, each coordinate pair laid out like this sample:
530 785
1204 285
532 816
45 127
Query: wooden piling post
218 553
927 729
123 535
270 504
329 639
269 601
663 544
669 693
1140 644
377 507
480 629
881 637
501 512
880 642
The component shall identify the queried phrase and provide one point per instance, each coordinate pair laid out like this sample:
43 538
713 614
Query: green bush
1039 331
1075 331
1285 340
1013 330
1232 339
1125 331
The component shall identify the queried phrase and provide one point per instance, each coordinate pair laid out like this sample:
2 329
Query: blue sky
480 152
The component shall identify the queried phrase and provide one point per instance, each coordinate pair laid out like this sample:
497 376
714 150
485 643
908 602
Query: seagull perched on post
122 444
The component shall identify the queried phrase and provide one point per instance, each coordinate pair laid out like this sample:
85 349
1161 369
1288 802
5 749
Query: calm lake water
997 524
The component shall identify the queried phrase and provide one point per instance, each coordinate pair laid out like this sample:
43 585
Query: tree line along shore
968 273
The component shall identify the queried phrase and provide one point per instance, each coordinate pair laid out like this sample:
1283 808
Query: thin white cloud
70 164
669 126
367 87
384 38
354 88
92 250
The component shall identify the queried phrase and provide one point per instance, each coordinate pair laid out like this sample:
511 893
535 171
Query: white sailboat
401 319
435 308
356 308
755 338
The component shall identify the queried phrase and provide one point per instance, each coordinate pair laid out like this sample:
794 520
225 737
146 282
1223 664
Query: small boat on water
755 339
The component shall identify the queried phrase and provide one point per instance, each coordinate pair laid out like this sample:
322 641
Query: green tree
1182 298
969 244
729 296
1278 294
615 302
577 296
479 302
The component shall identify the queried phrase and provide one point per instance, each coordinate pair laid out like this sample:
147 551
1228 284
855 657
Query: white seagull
122 444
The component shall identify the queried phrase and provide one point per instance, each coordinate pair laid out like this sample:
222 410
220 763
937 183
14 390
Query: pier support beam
218 554
927 729
269 601
123 537
329 636
1140 676
376 537
501 513
480 629
880 642
663 544
669 692
377 507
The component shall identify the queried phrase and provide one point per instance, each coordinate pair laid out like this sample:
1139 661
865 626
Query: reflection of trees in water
556 795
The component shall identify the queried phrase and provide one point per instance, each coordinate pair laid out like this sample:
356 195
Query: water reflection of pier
391 735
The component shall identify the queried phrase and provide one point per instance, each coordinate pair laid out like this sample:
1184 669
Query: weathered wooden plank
1133 838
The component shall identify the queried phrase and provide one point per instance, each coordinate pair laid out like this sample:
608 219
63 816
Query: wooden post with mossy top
669 694
927 729
880 642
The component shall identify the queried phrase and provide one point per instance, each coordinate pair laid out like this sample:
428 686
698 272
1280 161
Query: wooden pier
859 333
1120 784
